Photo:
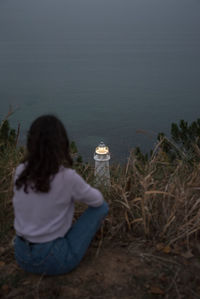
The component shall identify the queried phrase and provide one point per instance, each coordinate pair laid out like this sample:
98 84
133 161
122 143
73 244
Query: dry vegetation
157 201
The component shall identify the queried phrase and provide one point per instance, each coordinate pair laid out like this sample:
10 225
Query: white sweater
42 217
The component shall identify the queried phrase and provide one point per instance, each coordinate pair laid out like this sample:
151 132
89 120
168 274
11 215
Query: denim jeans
62 254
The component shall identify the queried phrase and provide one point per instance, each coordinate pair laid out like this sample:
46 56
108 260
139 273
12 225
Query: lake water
107 68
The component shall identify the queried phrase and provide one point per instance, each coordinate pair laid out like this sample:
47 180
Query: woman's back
45 190
42 217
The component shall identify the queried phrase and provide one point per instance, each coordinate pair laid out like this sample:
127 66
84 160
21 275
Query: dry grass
8 162
158 200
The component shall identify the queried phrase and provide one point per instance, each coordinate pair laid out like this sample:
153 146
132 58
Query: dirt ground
135 269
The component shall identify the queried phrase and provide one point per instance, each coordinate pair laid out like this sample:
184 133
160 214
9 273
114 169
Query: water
108 68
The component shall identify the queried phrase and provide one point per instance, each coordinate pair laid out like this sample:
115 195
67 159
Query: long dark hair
47 149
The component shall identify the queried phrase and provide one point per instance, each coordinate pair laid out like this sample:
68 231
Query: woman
45 190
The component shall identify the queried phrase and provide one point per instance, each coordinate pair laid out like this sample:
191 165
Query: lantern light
102 171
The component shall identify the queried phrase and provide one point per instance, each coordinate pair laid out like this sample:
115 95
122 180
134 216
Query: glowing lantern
102 171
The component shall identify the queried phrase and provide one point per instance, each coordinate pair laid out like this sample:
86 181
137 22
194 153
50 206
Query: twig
10 112
194 293
38 285
173 281
159 258
17 136
177 291
100 243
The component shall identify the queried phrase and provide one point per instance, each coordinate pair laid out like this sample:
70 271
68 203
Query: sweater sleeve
17 172
83 192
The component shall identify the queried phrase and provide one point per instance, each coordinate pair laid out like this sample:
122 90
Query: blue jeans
63 254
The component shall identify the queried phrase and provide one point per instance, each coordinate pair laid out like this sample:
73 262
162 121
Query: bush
10 156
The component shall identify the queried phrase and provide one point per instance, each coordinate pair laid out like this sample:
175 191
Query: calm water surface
107 68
